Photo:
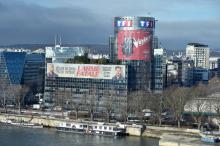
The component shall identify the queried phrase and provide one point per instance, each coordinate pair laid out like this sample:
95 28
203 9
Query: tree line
176 100
196 101
12 94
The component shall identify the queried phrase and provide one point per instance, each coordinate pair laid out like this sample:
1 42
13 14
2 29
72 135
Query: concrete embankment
133 130
43 120
153 131
170 136
168 139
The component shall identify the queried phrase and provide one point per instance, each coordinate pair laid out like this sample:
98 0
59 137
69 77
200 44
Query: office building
5 87
174 71
156 43
187 73
213 66
201 75
199 53
180 72
68 82
159 70
219 67
33 75
14 62
60 54
85 84
112 50
21 68
133 47
213 62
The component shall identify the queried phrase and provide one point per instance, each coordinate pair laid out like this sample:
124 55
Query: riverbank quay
52 122
170 136
168 139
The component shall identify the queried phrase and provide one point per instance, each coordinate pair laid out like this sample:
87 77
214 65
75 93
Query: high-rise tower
133 47
199 53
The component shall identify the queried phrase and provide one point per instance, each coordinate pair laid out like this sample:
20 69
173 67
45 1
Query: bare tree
92 106
77 106
197 105
72 103
4 92
156 105
123 111
213 92
20 91
176 99
137 101
91 103
216 105
109 103
214 85
59 101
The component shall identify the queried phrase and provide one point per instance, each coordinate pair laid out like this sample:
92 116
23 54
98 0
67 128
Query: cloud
178 34
22 23
90 21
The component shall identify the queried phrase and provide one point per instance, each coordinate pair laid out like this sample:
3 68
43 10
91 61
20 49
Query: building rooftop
197 45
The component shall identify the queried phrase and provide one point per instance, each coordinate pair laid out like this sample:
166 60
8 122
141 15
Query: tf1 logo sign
124 23
146 24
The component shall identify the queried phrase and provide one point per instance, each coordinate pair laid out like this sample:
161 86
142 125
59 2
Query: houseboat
73 127
101 129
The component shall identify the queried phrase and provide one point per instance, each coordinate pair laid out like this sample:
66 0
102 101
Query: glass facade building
59 54
219 67
187 73
159 70
15 65
200 75
11 70
33 75
133 46
4 81
64 91
19 68
34 64
67 88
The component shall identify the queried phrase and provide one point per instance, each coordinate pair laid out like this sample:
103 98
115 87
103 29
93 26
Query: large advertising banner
134 45
116 72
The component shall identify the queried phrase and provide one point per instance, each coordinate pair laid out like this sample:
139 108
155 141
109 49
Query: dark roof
197 45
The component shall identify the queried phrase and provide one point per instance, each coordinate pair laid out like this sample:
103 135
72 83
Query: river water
12 136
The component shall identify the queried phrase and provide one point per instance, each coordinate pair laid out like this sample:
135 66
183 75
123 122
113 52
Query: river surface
12 136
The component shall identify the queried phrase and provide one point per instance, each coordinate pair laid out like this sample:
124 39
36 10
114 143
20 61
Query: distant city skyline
91 22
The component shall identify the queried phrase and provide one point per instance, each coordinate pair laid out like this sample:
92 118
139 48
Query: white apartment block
199 53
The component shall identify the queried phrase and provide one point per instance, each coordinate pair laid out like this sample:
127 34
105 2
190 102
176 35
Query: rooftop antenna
60 40
59 43
55 40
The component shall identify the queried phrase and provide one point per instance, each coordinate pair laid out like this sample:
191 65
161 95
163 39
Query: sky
91 21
